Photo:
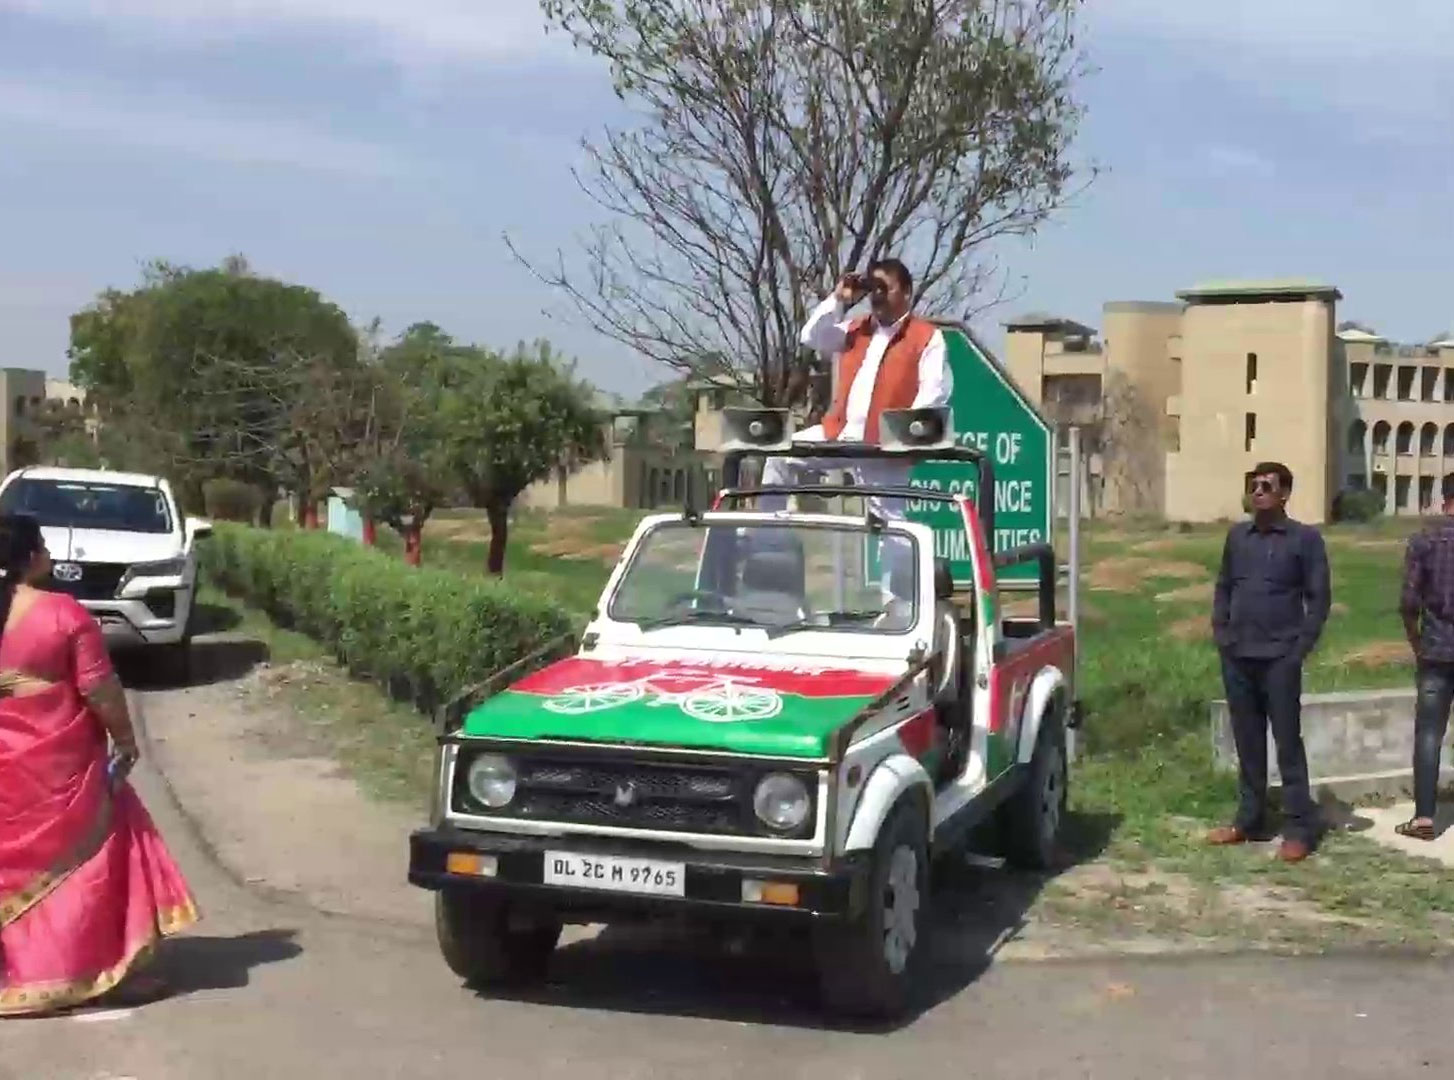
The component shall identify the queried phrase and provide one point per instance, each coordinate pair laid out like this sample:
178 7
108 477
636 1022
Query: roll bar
844 451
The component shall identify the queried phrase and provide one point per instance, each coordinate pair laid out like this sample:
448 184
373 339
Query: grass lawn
1145 789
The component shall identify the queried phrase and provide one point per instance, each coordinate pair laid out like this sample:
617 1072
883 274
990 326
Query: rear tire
868 966
1032 818
481 946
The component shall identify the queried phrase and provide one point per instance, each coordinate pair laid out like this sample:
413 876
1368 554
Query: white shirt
827 332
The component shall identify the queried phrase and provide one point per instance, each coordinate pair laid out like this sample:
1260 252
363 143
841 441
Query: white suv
119 546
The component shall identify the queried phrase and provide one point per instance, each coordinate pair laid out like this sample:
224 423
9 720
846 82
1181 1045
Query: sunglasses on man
1261 485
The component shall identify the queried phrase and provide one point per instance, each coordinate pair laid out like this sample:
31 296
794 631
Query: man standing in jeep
889 359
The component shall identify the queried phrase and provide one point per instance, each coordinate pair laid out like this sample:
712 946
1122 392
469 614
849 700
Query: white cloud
1226 161
408 31
155 124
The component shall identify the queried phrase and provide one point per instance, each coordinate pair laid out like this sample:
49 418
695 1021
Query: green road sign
991 415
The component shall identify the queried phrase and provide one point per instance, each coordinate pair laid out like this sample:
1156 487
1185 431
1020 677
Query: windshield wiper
812 624
731 618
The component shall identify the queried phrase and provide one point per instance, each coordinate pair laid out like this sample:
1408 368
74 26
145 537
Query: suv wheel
1032 818
481 945
867 966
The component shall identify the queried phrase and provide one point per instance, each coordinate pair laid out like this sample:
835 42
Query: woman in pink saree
87 887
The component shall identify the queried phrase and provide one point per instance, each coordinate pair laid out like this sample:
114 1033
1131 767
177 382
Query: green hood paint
700 705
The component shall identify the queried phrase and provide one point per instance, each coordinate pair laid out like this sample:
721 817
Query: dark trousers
1431 720
1263 692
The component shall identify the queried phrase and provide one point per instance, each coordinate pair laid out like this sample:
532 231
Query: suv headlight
164 568
781 802
491 780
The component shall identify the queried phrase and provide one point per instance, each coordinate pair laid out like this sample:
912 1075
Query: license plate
615 873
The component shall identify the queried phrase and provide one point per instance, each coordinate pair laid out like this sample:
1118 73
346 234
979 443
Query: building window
1249 435
1381 431
1380 486
1381 375
1406 383
1404 444
1173 434
1429 440
1426 494
1429 382
1401 487
1357 376
1252 373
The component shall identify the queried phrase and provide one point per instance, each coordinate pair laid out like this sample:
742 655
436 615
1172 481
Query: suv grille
636 795
99 581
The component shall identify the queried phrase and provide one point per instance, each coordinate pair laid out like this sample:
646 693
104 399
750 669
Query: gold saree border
50 997
17 904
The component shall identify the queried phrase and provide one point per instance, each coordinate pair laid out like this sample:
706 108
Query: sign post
992 415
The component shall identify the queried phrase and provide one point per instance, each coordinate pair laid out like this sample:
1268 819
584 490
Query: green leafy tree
781 144
217 358
511 422
404 469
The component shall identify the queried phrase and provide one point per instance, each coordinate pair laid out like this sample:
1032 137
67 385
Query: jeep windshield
781 577
76 504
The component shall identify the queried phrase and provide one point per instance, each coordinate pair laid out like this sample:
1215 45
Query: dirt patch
1201 592
1126 573
1378 654
458 530
1153 547
1196 628
1338 608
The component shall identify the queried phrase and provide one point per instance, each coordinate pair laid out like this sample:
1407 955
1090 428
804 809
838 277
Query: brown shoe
1226 834
1294 851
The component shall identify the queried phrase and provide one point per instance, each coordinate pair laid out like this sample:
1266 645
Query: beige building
25 395
1179 400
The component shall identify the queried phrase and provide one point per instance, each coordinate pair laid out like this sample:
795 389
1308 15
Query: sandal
1415 829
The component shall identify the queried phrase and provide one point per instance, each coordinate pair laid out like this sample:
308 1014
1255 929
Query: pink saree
87 888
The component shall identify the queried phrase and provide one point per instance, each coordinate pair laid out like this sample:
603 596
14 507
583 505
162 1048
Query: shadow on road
191 964
767 977
212 660
214 619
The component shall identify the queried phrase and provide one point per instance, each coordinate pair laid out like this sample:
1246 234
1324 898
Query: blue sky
377 149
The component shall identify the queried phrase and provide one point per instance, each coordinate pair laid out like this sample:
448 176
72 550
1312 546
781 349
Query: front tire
868 966
1034 815
480 944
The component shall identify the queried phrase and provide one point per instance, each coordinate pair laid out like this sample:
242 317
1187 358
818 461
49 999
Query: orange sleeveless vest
898 374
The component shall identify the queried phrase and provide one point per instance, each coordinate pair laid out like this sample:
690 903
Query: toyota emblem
625 793
67 571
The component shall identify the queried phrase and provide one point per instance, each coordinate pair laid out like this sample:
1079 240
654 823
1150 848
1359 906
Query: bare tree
782 143
1129 440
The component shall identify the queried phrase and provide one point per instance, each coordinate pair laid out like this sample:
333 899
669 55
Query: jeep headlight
781 802
491 780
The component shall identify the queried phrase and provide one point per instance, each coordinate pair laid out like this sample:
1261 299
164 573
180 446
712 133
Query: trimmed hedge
426 634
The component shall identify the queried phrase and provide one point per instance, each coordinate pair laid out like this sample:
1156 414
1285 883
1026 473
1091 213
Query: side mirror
198 529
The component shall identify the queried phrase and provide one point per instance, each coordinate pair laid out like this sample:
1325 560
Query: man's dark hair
895 269
1277 469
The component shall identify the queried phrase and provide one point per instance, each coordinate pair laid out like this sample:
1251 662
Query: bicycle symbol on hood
713 699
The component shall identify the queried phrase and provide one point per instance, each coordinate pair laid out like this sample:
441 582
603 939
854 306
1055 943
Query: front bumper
713 882
132 622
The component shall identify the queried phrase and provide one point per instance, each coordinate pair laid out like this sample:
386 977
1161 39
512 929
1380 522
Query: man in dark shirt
1271 602
1426 603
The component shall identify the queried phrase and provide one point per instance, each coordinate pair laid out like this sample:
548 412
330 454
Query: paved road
272 989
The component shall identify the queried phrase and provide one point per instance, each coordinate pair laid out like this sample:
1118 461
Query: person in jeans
1272 599
1426 603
